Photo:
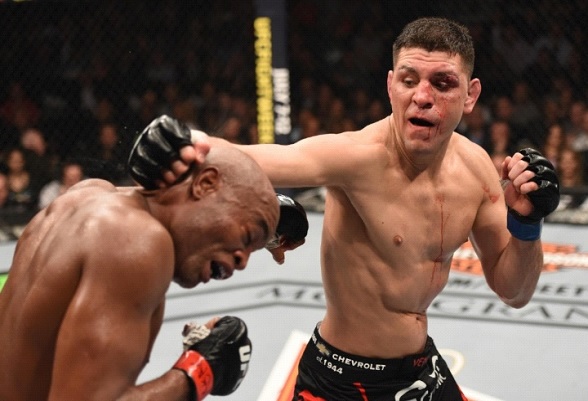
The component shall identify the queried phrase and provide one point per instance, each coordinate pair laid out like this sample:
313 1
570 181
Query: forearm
278 162
172 386
517 271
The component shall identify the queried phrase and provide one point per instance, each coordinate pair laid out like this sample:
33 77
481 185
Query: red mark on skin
440 199
493 198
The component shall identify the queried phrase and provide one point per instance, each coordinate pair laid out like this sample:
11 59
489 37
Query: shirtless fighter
403 194
85 296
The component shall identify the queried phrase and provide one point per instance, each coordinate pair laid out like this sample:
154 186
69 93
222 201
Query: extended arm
163 154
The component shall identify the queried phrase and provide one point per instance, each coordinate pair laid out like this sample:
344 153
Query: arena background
72 70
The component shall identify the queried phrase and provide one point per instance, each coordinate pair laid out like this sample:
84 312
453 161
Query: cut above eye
420 122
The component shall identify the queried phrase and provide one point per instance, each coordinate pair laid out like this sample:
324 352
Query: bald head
237 169
242 185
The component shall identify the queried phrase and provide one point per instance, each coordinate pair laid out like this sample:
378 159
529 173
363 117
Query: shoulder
93 183
367 142
474 161
117 228
128 246
471 153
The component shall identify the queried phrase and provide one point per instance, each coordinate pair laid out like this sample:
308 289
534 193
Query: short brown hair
437 34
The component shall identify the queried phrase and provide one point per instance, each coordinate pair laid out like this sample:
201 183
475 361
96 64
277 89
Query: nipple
397 239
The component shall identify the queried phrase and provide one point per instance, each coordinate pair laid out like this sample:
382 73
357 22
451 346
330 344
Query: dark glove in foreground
156 148
227 350
293 223
546 198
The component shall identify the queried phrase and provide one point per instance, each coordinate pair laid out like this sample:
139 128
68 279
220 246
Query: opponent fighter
84 300
402 195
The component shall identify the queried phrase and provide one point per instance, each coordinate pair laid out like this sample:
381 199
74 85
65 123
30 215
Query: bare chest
420 221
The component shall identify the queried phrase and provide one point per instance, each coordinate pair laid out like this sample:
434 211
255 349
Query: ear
389 83
474 90
205 182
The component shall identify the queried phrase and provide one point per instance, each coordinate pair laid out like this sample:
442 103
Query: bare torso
388 241
49 275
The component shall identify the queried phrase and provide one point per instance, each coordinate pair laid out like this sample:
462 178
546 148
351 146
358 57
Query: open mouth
420 122
218 271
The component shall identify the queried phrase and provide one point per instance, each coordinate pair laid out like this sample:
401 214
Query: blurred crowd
82 79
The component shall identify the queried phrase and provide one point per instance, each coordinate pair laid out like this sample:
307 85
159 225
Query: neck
414 163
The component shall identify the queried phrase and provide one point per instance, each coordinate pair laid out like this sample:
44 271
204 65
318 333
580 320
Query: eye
446 82
441 85
409 82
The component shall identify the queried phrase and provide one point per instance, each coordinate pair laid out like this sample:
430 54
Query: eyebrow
438 74
407 68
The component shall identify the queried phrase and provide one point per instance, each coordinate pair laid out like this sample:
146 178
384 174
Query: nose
423 96
241 259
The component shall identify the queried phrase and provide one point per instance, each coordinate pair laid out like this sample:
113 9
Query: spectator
570 173
497 158
19 109
360 102
232 131
71 173
337 113
507 40
570 169
574 121
541 71
40 161
23 189
555 142
500 139
308 125
550 112
474 126
525 112
555 42
503 110
581 139
107 159
3 190
376 111
6 227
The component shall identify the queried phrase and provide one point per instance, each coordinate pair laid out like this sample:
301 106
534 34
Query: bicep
489 234
310 162
107 331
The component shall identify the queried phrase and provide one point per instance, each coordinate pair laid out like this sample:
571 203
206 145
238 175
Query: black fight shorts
328 374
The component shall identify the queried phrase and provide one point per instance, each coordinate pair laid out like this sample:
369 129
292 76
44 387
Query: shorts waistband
344 365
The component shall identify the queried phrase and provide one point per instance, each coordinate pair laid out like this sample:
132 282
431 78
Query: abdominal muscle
373 318
377 300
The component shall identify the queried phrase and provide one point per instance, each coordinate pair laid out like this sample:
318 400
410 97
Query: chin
185 283
421 147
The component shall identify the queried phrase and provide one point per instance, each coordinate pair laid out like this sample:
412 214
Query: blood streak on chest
440 200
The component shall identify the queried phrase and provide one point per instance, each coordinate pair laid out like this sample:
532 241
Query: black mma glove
293 223
158 145
545 199
215 361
